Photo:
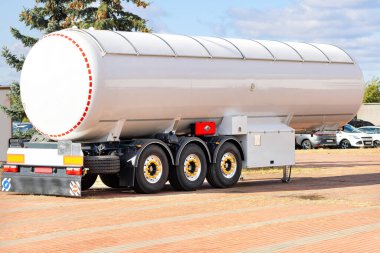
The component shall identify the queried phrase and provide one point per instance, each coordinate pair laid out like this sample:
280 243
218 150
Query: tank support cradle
114 134
286 174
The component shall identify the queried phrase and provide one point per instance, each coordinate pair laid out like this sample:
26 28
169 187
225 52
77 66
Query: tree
51 15
15 111
372 91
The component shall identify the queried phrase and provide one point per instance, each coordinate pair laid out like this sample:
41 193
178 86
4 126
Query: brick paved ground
332 205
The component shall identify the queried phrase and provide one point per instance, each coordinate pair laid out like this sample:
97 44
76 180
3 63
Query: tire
190 174
87 181
376 144
152 171
111 180
223 177
345 144
306 144
107 164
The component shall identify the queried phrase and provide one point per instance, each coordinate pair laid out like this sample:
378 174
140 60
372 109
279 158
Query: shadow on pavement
251 186
335 164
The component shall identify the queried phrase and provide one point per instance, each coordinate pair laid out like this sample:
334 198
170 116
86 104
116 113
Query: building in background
5 123
370 112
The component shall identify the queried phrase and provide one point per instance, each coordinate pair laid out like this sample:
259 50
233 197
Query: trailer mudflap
41 184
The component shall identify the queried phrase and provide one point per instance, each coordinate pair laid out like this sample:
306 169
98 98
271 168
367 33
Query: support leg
287 171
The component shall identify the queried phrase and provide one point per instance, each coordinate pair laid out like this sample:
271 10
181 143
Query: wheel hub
228 165
152 169
192 167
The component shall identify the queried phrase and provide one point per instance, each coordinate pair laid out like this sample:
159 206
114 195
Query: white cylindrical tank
84 84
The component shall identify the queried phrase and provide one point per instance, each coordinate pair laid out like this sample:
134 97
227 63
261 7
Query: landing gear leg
286 175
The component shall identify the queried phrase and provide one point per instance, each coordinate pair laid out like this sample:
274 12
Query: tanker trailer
139 109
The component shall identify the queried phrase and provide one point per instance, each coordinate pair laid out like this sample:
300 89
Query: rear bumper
41 184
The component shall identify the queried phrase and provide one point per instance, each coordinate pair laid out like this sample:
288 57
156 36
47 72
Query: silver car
316 140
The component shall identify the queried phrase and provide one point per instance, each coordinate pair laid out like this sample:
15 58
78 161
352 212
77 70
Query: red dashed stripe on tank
89 95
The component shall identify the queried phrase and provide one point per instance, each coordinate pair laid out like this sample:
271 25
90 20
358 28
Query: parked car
352 137
359 123
316 140
22 127
374 132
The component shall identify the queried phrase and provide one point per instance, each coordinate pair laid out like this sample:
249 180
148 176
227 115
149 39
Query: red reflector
43 170
11 168
74 171
205 128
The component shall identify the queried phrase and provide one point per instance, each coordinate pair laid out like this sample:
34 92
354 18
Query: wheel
152 171
106 164
306 144
191 172
111 180
227 169
376 144
87 181
345 144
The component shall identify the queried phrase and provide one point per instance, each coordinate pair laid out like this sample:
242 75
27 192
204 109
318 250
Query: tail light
43 170
11 168
74 171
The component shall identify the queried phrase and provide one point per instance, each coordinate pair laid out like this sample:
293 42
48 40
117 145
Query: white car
374 132
352 137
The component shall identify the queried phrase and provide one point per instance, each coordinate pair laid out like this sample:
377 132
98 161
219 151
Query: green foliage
110 15
16 110
372 91
24 135
27 41
51 15
12 60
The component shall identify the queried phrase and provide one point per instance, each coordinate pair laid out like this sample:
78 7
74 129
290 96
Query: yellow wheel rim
228 165
192 167
152 169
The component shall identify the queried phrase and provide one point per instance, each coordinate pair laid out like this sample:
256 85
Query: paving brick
331 205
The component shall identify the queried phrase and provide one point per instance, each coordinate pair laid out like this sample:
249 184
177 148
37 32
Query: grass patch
353 151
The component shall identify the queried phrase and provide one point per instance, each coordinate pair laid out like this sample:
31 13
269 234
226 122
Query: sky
353 25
